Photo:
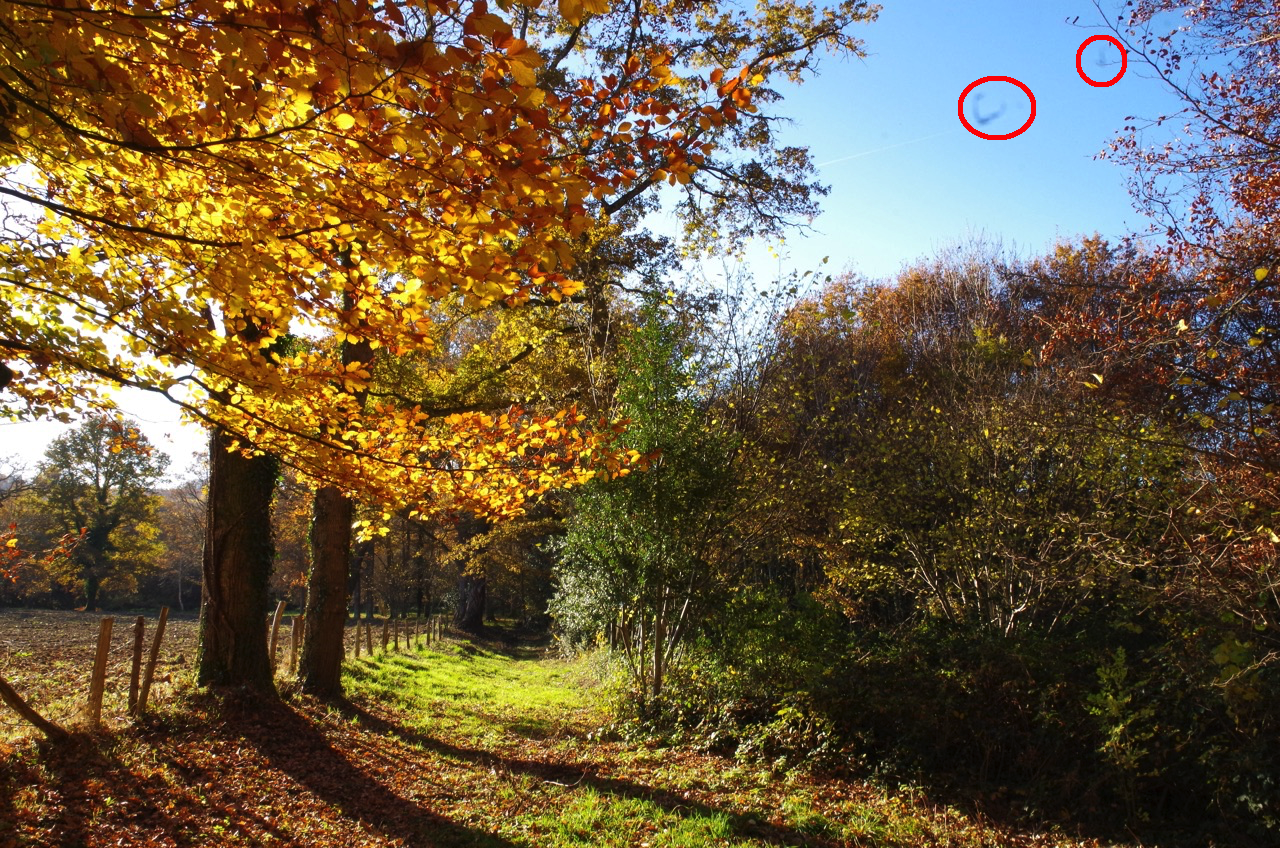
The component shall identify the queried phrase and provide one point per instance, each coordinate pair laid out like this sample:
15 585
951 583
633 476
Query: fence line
397 635
139 680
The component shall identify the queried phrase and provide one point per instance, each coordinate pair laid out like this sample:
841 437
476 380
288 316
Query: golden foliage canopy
211 180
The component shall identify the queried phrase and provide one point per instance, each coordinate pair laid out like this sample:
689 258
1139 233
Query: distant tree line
102 528
98 526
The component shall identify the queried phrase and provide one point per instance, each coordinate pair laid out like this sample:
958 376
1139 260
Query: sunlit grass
471 691
484 705
593 819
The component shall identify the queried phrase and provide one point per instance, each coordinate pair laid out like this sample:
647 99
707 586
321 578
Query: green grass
520 732
592 819
469 691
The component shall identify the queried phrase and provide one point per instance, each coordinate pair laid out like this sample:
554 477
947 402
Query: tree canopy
208 179
97 482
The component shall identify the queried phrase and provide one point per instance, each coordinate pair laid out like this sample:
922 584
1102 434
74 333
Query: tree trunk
469 615
357 588
320 668
91 586
659 648
92 555
238 556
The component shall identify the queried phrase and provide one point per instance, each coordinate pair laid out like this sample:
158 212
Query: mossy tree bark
237 565
319 668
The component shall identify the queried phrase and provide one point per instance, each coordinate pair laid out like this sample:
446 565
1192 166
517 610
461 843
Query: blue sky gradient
907 179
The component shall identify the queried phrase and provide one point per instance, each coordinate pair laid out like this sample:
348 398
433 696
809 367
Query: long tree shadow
83 785
13 775
293 745
743 826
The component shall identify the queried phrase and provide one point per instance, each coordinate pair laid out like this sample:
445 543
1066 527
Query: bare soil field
47 655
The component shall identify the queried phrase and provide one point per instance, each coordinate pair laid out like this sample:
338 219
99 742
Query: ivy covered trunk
237 564
469 615
319 668
91 585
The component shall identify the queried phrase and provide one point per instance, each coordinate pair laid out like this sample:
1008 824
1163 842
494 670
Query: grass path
462 745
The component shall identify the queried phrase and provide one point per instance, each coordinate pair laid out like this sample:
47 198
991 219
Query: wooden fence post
368 638
357 636
395 644
386 634
10 696
99 680
295 637
135 669
275 633
151 661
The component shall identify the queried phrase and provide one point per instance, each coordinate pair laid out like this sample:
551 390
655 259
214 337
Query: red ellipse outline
1002 136
1124 60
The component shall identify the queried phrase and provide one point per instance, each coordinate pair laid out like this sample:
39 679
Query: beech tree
377 130
261 167
256 167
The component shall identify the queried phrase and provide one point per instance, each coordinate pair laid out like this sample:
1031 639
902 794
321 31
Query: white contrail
882 149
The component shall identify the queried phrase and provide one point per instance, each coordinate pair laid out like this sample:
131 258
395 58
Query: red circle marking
1124 60
1003 136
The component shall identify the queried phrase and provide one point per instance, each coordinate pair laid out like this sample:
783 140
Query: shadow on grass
743 827
510 639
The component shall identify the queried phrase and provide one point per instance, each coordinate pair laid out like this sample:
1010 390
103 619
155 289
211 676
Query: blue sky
906 179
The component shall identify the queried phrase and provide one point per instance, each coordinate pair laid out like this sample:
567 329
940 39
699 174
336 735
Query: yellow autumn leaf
522 73
571 10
